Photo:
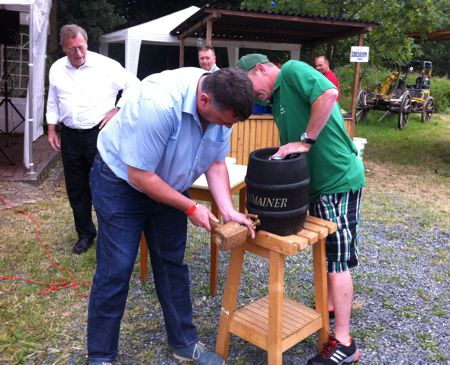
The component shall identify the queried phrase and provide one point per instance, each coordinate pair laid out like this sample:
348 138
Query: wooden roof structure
438 35
263 26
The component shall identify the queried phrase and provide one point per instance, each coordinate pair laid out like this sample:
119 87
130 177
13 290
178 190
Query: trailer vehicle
406 90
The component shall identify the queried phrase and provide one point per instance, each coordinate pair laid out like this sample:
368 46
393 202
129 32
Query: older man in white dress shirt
83 88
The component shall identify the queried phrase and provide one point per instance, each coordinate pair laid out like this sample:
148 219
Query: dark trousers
123 212
78 150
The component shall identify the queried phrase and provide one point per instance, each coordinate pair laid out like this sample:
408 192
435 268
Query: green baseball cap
249 61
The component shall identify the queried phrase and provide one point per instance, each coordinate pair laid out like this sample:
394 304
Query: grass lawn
411 166
412 163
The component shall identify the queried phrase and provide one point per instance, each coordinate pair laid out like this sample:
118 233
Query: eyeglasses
75 49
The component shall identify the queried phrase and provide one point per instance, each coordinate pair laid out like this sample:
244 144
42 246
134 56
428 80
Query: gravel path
401 306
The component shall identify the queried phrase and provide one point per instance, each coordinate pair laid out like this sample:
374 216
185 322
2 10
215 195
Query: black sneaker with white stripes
335 353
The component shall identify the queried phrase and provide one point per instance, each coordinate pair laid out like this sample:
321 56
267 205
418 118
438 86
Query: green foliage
388 43
96 16
280 6
140 11
438 52
440 90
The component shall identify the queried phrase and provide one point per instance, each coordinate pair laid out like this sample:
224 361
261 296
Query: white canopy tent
157 32
35 14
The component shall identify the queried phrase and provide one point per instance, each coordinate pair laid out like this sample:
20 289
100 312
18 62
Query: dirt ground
382 177
412 183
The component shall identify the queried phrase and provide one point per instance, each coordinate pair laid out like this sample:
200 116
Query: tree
388 43
140 11
439 53
96 16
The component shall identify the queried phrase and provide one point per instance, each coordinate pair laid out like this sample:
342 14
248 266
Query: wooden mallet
231 234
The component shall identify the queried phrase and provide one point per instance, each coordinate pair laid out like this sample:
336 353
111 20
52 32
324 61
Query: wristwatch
305 139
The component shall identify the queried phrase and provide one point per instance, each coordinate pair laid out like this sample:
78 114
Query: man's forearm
219 185
157 189
320 113
51 128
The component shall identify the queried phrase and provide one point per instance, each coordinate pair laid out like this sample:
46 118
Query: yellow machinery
384 89
395 95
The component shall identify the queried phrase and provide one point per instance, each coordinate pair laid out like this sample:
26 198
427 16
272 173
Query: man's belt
81 131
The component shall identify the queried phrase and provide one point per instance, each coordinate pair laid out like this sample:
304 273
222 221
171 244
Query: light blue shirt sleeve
159 130
145 134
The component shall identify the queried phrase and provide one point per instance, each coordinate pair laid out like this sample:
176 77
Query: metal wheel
428 109
405 110
361 106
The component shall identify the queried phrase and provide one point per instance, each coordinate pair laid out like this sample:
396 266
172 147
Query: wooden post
181 52
321 290
351 125
311 57
209 32
214 262
144 258
276 291
229 300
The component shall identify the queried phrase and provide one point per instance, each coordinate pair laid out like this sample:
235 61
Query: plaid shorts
343 209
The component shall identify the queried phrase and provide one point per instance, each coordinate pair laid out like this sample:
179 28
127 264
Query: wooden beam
259 32
197 26
181 52
439 35
209 32
349 34
275 17
318 41
309 39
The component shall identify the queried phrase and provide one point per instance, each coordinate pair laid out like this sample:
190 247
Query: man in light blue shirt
174 127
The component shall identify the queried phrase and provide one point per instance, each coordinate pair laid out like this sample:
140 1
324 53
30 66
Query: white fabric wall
37 18
157 32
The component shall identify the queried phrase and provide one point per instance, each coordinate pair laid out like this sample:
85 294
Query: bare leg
341 286
330 295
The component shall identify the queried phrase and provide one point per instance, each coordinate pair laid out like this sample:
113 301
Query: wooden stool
275 323
200 191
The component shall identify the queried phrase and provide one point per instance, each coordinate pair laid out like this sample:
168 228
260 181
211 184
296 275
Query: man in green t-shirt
309 121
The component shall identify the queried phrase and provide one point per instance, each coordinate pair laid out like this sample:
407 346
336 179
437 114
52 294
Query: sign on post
359 54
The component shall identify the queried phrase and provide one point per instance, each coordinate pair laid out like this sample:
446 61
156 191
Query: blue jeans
123 213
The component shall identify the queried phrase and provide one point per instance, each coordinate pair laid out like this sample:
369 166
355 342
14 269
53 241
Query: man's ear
204 99
260 69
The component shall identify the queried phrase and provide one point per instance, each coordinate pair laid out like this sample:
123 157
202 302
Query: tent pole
31 170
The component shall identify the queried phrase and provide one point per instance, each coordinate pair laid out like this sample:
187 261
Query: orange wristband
191 210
